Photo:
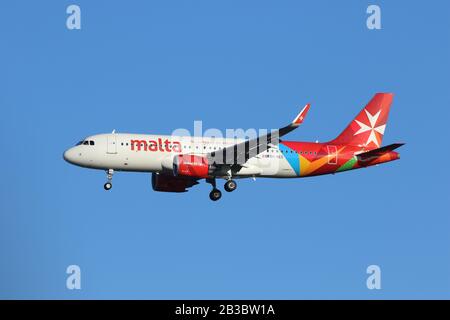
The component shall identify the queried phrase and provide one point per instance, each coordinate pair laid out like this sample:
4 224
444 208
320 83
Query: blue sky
154 66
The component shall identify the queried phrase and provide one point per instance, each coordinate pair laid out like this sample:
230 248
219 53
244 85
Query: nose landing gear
108 185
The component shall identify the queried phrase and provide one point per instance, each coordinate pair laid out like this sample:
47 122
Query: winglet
301 116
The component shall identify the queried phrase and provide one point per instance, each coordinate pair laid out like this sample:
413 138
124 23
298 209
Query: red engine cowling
169 183
190 165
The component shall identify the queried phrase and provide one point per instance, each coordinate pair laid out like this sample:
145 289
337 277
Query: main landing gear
230 186
108 185
215 193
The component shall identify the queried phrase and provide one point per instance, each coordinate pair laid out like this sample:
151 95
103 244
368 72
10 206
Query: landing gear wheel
230 186
215 194
109 175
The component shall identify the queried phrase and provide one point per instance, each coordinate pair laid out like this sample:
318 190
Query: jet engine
189 165
169 183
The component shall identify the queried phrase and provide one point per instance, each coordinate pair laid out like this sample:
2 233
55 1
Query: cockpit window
86 143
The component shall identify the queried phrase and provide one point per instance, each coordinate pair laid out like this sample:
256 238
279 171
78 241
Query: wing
239 153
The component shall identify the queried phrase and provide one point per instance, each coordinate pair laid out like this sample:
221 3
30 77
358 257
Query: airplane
177 163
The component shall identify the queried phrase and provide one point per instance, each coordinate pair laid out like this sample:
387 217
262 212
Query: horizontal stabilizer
378 152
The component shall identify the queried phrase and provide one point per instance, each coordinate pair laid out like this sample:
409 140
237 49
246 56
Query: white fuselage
154 153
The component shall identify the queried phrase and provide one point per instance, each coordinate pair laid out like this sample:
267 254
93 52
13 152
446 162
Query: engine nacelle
190 165
169 183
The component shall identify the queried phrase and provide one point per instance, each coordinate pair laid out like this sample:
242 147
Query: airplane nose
69 155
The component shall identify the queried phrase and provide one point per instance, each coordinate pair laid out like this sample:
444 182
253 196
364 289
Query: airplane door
332 154
112 144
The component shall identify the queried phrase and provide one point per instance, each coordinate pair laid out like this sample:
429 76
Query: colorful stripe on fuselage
291 156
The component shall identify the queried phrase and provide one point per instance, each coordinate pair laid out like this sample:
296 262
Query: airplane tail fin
367 128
